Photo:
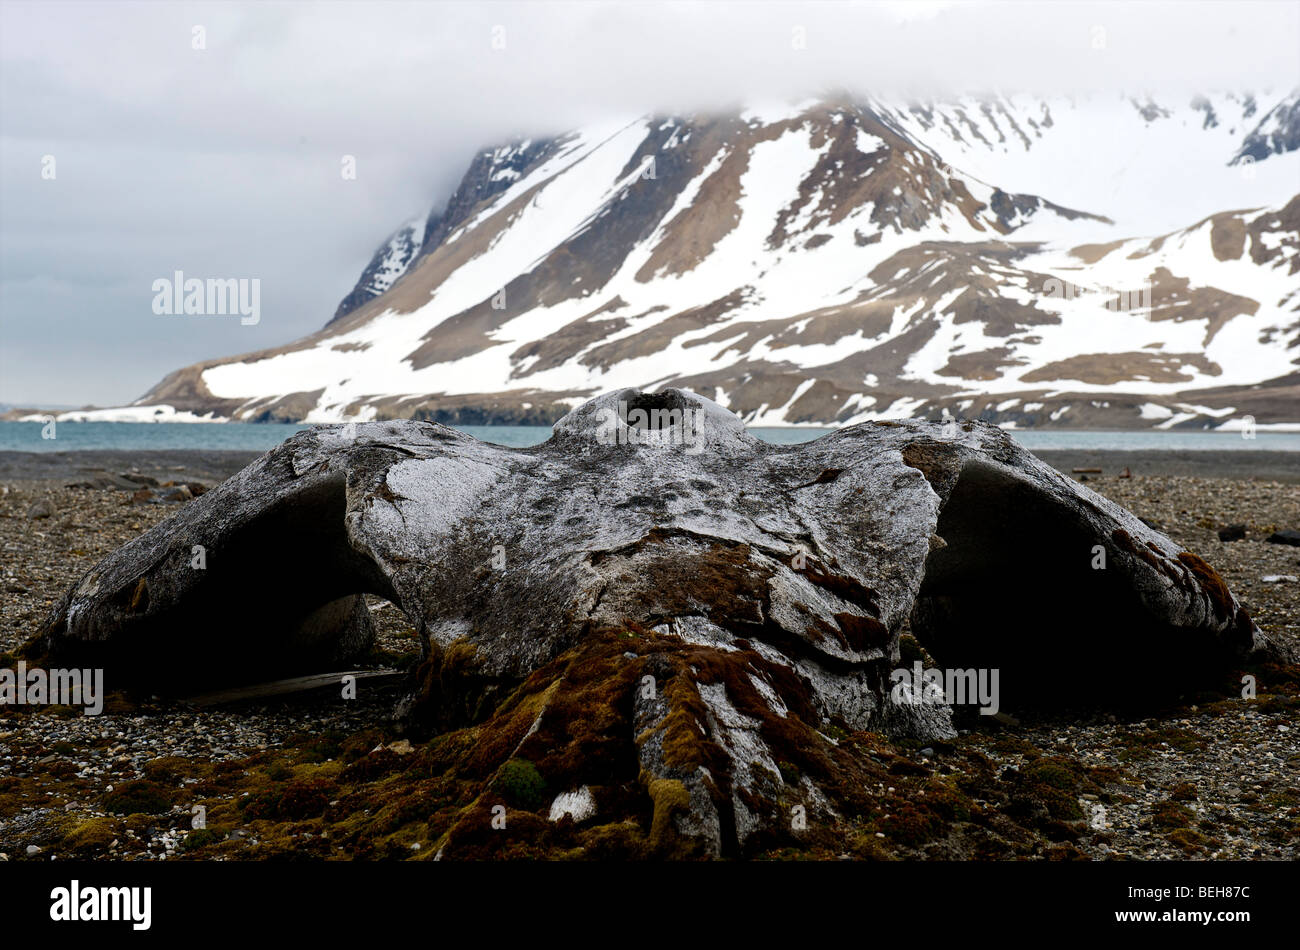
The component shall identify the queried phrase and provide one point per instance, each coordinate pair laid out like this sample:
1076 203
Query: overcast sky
225 161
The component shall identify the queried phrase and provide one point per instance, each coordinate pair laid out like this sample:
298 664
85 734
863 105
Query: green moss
616 841
1187 839
865 845
670 797
1054 773
1172 815
321 748
1060 805
1014 745
141 823
93 835
141 795
1100 775
201 838
521 784
948 802
170 770
1184 740
1051 785
685 746
1142 744
278 771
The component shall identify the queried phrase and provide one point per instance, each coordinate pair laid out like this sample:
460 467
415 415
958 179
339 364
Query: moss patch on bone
364 795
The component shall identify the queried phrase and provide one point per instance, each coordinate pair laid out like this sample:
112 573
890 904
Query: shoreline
1240 464
104 467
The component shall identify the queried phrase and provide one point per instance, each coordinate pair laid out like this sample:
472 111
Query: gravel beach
1213 777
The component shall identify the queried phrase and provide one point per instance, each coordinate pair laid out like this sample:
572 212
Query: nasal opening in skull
654 411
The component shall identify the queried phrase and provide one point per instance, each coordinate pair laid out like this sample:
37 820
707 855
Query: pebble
42 509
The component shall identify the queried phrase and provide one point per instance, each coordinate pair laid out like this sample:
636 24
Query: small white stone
579 804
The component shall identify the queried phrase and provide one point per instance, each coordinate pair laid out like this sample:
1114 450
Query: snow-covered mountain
389 263
1098 261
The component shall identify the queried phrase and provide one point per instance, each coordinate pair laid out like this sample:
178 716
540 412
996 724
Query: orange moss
670 797
1210 582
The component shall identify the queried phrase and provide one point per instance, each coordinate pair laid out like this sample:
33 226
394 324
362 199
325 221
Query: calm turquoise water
26 437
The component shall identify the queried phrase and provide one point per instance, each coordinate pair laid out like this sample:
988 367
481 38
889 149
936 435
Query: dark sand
211 467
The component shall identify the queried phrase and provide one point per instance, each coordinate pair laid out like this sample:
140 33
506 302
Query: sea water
258 437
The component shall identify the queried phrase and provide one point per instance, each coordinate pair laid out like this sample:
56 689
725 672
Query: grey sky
224 162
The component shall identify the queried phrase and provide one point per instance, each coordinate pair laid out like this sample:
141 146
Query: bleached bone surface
809 559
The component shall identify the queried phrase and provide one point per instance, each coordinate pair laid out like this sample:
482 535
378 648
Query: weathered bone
768 584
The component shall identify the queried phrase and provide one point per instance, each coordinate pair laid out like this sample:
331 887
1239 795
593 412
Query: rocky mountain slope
1095 262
